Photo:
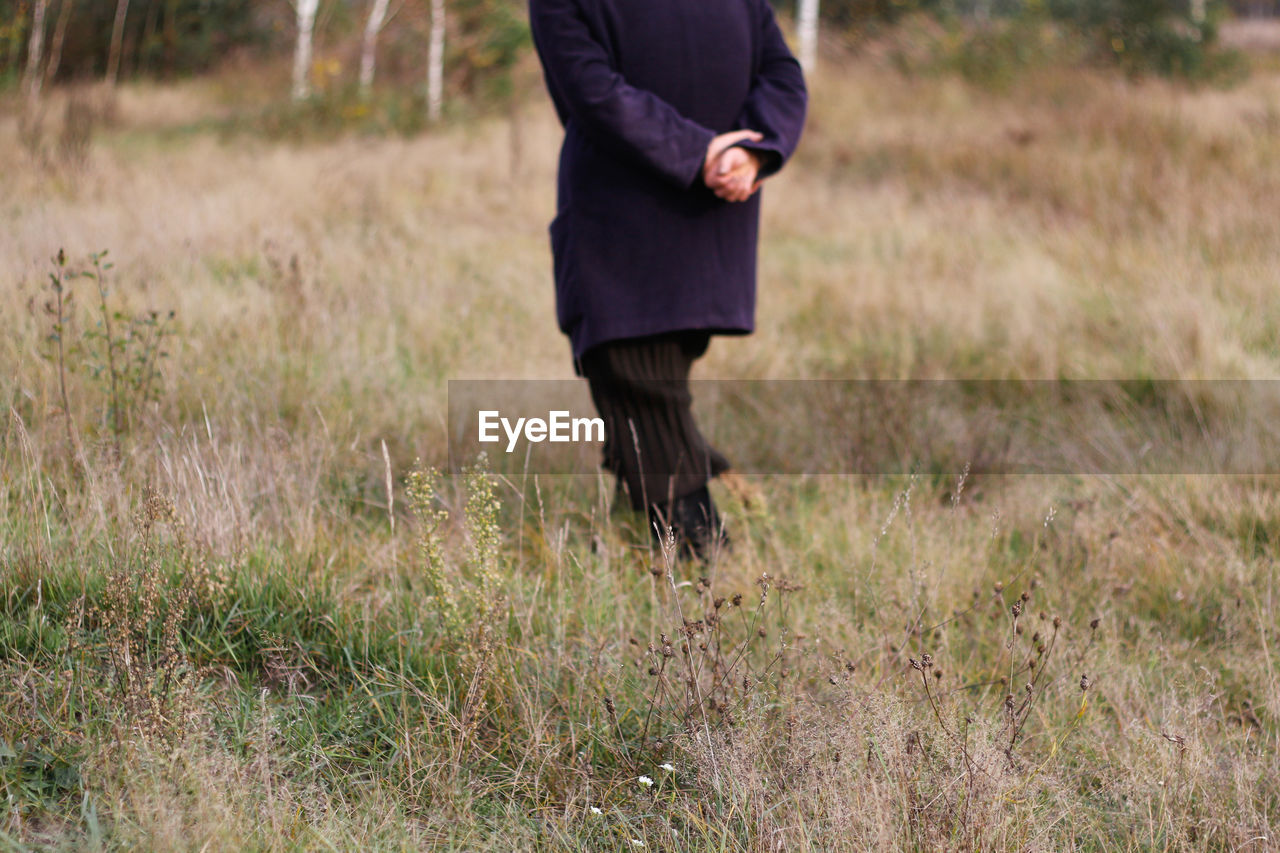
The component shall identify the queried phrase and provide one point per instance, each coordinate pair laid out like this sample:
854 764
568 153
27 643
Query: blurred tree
35 47
59 36
492 36
807 26
435 62
1164 36
369 50
117 42
306 18
161 37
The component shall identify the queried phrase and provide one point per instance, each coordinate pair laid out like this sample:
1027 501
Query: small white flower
646 781
667 767
636 842
595 810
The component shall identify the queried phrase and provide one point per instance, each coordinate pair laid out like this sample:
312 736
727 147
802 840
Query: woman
674 111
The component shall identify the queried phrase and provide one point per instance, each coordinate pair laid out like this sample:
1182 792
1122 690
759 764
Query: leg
641 389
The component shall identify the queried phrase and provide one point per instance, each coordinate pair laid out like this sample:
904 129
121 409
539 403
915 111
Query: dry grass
298 681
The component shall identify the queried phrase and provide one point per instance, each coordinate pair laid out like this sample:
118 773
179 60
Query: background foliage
489 38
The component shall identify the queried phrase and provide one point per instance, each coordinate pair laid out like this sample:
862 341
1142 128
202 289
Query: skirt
640 387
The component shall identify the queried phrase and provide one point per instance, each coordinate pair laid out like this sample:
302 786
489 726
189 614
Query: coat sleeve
778 101
595 96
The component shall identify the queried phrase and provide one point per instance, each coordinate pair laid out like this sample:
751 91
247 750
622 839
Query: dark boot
697 527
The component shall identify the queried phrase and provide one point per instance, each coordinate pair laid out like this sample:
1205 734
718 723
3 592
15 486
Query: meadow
240 610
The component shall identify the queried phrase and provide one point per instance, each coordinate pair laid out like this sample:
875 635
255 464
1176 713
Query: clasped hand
730 171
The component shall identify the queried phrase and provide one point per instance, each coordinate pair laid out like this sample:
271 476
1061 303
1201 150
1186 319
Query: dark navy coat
641 245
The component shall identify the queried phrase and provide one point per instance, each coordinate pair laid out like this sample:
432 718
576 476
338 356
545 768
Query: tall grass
220 630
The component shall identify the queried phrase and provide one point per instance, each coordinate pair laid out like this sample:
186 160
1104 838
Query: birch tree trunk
369 52
117 42
302 52
59 36
435 62
807 29
35 50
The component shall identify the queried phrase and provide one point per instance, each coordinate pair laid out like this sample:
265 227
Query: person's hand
734 174
729 171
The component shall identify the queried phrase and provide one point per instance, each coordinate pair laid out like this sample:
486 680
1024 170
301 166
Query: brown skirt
641 390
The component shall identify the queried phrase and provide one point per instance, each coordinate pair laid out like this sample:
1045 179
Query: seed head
1084 682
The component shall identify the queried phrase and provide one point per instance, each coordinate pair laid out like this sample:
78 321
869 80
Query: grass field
222 629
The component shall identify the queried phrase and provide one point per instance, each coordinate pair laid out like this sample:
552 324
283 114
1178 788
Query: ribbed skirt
652 443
